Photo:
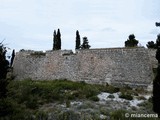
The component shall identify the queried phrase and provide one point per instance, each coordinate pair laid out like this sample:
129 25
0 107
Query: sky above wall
29 24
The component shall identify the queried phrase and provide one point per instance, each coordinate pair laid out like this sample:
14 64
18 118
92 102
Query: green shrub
140 90
150 100
86 105
5 107
32 103
126 87
134 108
38 53
94 98
10 110
145 104
104 111
141 98
68 103
89 91
126 96
68 115
111 89
111 96
41 115
118 115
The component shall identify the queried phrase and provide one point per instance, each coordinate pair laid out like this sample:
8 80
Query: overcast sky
29 24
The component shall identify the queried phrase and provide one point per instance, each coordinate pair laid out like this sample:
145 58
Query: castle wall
116 66
152 54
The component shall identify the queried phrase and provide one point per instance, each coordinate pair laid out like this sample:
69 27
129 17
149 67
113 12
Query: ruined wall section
117 66
152 54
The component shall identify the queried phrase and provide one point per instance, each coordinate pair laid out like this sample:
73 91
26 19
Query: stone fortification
152 53
117 66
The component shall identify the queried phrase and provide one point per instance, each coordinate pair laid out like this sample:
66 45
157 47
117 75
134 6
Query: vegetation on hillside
25 97
32 100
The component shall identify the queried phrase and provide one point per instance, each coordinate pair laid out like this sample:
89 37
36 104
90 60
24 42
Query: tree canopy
85 44
131 41
151 44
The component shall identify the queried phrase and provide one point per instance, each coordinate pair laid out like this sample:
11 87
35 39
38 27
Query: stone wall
152 54
116 66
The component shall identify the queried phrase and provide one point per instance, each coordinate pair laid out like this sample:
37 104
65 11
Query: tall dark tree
156 82
55 41
58 39
85 44
12 58
156 86
3 71
131 41
78 40
158 40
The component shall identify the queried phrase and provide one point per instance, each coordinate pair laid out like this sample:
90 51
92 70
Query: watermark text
139 115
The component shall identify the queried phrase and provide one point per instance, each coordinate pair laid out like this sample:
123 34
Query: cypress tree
78 40
58 39
12 58
54 40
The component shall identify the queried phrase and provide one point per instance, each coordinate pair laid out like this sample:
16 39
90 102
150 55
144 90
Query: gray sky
29 24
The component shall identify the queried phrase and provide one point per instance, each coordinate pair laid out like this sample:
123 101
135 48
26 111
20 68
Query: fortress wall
116 66
152 54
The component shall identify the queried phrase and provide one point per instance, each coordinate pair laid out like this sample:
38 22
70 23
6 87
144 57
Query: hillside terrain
68 100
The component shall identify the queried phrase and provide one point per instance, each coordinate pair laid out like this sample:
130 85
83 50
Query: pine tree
78 40
151 44
85 44
131 41
58 40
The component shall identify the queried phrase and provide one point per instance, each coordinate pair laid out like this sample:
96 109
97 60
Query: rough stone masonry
116 66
